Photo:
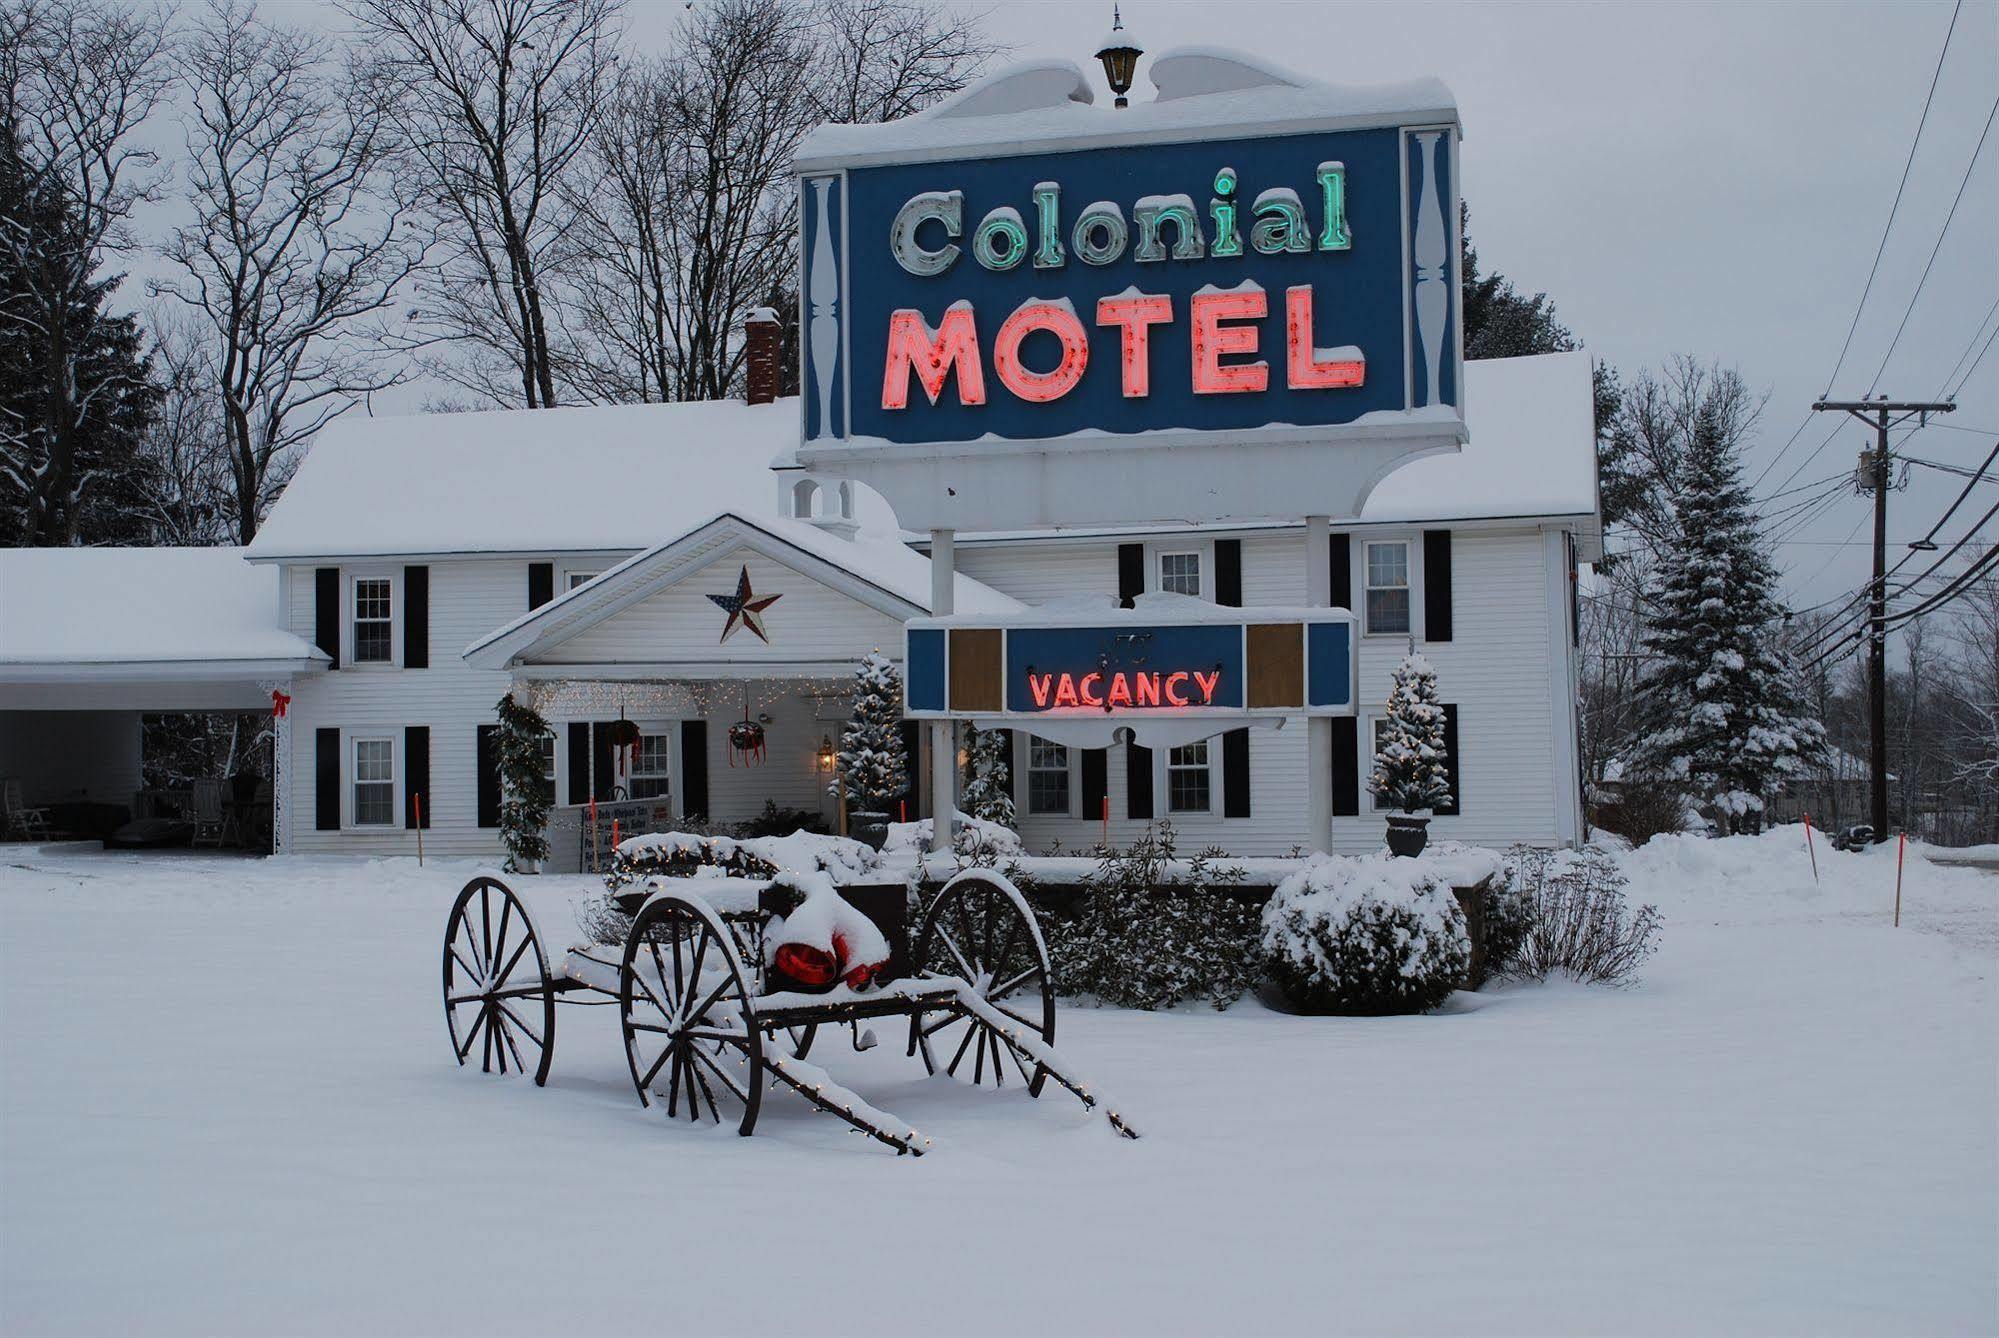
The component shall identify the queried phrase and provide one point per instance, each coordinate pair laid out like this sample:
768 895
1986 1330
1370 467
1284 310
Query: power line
1945 232
1875 268
1963 581
1971 344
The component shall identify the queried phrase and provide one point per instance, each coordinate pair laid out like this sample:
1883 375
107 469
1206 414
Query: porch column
943 747
1318 729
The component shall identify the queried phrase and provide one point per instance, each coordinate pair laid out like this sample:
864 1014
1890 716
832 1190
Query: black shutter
1235 774
1346 767
541 583
416 775
1130 573
579 762
1096 782
1451 762
489 775
604 768
694 770
326 613
326 780
1137 781
1012 771
908 806
416 618
1436 585
1575 597
1228 572
1340 559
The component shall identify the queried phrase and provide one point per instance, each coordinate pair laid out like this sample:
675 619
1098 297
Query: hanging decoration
746 737
745 608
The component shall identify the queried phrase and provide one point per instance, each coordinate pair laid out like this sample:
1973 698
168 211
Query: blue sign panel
1305 279
1123 668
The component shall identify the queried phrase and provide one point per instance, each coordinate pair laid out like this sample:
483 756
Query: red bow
279 701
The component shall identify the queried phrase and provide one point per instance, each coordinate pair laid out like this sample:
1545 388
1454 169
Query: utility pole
1880 414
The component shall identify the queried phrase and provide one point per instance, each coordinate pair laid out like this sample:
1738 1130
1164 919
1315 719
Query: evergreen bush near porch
524 799
873 766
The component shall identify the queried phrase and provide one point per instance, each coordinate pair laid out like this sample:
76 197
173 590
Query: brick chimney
765 333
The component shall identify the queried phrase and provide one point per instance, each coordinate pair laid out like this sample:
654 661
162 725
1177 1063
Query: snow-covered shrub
1366 937
873 766
1576 920
1136 941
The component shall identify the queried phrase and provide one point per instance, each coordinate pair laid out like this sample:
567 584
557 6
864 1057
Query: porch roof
878 571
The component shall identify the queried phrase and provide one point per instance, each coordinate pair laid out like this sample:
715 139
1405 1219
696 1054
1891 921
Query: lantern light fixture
827 757
1120 57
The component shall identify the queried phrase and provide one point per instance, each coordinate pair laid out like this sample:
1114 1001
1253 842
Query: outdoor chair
212 818
23 823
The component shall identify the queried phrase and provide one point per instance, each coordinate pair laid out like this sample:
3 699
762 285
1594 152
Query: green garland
524 797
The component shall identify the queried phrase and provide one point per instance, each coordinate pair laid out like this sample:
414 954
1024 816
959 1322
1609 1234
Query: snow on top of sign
102 605
1201 92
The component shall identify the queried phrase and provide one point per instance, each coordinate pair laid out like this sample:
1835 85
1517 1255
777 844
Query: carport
93 639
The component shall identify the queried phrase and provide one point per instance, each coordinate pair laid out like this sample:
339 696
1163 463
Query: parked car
1857 837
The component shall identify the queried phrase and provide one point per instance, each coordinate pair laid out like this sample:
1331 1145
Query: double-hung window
577 578
374 611
1189 785
1388 587
652 761
1180 573
374 782
1047 778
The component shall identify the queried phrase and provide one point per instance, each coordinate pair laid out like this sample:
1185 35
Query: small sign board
1135 665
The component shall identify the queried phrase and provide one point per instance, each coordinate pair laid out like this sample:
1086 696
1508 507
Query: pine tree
1723 713
873 765
1410 762
524 790
988 795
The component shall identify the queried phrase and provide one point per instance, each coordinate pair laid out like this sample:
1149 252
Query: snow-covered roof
598 478
140 606
1202 93
1531 455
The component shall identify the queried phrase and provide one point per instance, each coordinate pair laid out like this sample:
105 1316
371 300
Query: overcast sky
1710 179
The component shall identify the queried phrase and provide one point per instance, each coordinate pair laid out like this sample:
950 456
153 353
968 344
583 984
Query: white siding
1495 669
468 599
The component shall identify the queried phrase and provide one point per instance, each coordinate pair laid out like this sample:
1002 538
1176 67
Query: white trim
1562 705
1412 550
350 739
58 672
350 579
1162 779
1203 553
1072 755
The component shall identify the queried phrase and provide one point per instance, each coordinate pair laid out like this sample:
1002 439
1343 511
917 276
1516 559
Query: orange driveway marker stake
1901 846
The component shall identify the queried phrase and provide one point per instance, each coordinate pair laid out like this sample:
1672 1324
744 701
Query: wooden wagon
701 1028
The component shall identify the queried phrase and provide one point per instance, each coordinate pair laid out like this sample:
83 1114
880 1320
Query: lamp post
1120 57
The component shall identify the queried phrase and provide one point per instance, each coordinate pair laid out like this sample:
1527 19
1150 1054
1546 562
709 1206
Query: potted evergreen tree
1410 764
873 767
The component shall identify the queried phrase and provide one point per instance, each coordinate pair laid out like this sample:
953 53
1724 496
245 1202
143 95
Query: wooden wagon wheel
689 1013
498 996
981 929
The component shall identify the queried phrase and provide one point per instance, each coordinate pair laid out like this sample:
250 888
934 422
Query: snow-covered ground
227 1106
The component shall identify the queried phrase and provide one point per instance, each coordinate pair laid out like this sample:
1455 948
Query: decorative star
745 608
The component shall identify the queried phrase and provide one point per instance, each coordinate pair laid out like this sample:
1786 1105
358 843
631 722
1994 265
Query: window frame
1201 579
1168 767
553 778
668 730
350 642
574 577
1026 770
351 741
1408 587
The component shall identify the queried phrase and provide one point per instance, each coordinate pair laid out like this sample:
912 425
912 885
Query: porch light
827 757
1120 57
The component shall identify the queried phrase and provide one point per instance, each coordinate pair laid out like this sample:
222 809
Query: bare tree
76 81
1654 425
495 100
189 497
292 248
688 212
880 60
